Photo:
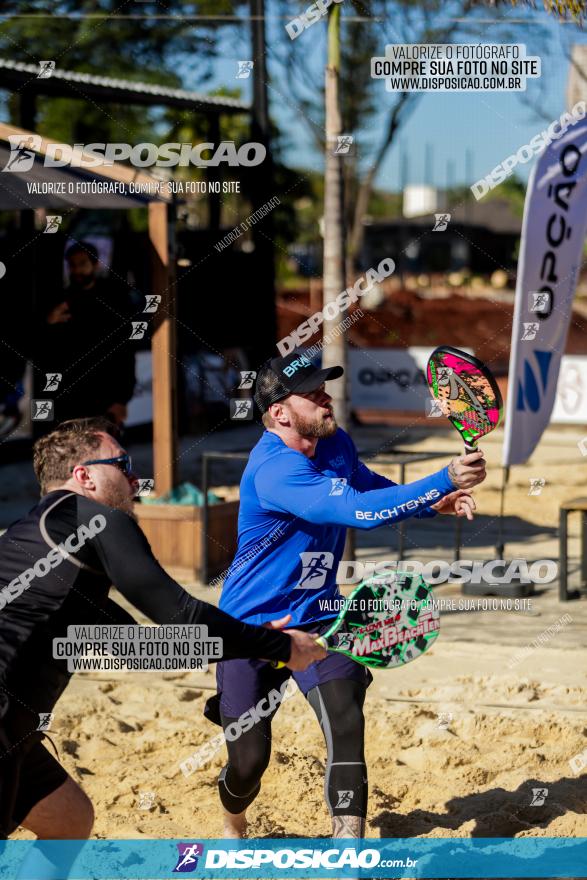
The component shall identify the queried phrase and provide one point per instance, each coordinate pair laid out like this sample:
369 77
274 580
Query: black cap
293 374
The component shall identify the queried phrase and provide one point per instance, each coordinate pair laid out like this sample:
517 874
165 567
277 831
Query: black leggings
339 708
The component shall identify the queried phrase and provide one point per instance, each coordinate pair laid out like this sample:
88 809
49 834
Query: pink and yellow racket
466 392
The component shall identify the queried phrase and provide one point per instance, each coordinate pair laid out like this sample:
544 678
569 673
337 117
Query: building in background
478 236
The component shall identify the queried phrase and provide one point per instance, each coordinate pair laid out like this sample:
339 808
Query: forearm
238 639
365 479
368 510
173 605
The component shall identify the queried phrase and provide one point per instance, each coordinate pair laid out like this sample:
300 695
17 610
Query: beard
118 499
318 427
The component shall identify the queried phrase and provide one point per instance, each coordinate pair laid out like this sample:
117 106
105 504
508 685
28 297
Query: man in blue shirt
302 488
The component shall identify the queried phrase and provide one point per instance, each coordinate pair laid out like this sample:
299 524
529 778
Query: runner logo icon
539 796
45 719
441 222
152 302
52 223
247 378
338 484
241 408
244 69
46 69
315 567
444 720
146 800
344 799
22 152
344 641
537 484
539 301
139 329
344 144
42 410
187 861
53 380
434 408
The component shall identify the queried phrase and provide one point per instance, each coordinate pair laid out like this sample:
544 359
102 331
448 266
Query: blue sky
490 125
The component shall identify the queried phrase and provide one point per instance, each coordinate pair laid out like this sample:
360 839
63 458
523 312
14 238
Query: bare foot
235 824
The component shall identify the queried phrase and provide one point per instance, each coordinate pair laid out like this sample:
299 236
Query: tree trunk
334 349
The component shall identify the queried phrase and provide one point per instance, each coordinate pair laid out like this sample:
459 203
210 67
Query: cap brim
317 379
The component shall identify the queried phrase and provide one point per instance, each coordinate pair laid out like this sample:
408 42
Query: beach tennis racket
384 624
466 391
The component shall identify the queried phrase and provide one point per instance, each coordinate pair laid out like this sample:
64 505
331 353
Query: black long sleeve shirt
76 564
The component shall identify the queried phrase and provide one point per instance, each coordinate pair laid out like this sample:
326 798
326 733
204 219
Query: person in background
86 337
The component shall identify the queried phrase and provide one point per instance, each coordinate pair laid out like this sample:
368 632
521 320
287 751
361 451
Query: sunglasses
122 462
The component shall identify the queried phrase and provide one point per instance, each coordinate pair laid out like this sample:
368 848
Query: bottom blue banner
298 857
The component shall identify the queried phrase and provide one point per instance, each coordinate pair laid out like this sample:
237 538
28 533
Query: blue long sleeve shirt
293 516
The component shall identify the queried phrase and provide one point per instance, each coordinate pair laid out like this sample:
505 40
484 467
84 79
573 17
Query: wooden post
163 354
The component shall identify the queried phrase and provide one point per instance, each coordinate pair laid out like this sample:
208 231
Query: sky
489 125
473 132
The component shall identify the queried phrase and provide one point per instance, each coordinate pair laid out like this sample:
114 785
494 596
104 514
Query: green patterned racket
385 624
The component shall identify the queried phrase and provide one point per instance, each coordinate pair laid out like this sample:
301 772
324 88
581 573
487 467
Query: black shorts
242 683
28 773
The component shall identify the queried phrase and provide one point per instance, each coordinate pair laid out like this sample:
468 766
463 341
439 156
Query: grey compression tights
339 708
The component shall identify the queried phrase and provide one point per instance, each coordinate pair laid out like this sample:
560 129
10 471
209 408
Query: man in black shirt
57 565
86 336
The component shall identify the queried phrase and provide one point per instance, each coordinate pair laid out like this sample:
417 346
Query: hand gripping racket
466 391
384 624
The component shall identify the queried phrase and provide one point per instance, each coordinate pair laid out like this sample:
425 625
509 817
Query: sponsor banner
553 233
298 857
395 379
140 406
570 405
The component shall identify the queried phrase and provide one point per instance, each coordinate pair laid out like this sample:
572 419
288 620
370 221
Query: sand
463 764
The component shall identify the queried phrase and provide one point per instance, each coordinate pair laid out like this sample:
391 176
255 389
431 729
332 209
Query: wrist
451 473
285 648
